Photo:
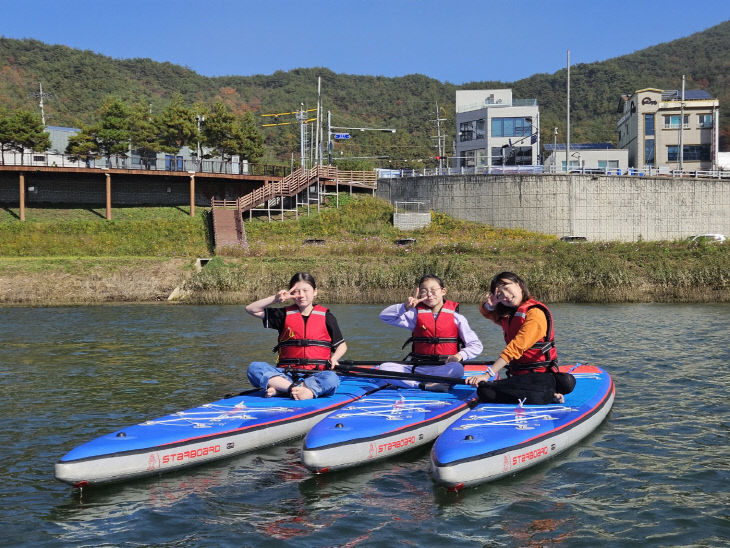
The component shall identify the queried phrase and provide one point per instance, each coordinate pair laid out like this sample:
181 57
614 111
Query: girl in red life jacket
309 338
441 336
530 355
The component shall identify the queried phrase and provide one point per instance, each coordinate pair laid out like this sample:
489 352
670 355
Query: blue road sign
342 135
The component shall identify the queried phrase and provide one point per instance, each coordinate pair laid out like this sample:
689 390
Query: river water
656 472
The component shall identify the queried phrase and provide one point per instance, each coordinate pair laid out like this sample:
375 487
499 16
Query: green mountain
78 82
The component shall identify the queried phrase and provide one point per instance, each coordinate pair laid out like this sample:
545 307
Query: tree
176 126
143 133
24 130
250 138
112 132
83 146
219 131
5 137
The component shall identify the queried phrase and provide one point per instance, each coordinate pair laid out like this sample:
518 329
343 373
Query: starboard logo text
403 442
530 455
190 454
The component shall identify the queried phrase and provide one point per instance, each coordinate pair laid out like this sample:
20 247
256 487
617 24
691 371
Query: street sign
342 135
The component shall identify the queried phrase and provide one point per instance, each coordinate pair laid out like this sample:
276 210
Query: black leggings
534 388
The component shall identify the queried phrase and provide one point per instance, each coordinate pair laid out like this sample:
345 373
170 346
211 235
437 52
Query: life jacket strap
298 362
302 342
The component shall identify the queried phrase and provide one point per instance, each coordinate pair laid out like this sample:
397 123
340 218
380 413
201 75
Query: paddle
354 371
374 362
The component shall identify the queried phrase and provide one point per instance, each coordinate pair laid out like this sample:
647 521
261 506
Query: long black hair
498 281
305 277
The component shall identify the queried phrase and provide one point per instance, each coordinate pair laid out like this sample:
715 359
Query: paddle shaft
373 362
385 374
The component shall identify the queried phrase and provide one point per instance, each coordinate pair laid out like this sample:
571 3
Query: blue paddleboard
383 424
202 434
495 440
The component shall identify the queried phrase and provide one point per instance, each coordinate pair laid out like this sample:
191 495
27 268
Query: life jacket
434 339
541 356
304 345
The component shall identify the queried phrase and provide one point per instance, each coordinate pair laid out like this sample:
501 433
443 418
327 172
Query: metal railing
294 183
174 164
511 170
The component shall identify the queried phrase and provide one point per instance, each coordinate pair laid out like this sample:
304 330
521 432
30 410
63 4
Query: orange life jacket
434 339
304 345
542 355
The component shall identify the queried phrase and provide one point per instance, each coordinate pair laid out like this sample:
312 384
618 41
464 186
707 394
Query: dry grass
73 281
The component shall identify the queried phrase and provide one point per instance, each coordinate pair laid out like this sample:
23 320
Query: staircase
228 229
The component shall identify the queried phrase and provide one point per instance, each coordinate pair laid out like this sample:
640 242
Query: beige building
651 131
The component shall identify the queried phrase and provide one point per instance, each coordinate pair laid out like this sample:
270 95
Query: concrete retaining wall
594 206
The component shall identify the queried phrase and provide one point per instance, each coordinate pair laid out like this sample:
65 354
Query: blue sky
457 42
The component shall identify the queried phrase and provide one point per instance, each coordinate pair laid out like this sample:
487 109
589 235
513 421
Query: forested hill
79 81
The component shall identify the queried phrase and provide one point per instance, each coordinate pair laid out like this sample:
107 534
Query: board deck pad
495 440
382 424
201 434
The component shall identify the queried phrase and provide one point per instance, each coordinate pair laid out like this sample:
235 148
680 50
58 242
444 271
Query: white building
591 157
492 129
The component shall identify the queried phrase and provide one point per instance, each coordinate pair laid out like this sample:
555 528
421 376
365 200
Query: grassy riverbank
73 256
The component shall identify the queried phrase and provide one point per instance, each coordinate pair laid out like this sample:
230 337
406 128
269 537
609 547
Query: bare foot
301 392
559 398
277 385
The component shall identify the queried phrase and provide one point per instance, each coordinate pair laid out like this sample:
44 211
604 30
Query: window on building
467 131
648 124
468 158
649 152
704 120
608 164
511 127
480 128
692 153
480 157
697 153
497 154
671 121
512 156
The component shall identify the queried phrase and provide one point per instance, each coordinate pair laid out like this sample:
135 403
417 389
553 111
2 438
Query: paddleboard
202 434
496 440
383 424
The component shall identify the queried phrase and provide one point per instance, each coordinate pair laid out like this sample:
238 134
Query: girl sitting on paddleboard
309 339
441 336
530 356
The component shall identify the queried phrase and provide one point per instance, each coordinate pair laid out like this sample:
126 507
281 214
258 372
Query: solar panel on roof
580 146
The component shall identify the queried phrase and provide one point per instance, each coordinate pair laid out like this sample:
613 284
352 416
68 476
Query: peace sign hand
282 296
414 301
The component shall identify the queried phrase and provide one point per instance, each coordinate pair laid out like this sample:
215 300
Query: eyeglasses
430 291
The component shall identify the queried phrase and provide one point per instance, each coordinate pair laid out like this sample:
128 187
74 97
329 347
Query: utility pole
302 136
440 139
317 139
329 138
567 131
199 118
681 131
41 96
301 116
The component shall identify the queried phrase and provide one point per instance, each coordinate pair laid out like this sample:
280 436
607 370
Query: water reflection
655 472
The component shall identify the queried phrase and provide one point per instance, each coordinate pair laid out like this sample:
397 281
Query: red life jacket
305 345
434 339
542 355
